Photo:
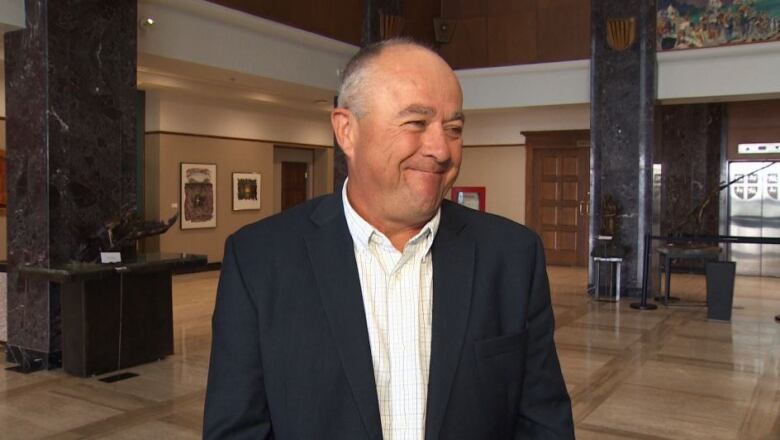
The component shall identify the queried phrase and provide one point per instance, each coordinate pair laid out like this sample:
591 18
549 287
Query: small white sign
110 257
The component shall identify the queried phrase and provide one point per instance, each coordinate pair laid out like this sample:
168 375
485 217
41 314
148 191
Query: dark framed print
198 195
471 196
246 191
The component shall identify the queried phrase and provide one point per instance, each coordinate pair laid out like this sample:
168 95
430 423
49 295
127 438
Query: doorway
558 196
295 177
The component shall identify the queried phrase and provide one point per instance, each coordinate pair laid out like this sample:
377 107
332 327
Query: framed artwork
246 191
683 24
198 195
471 196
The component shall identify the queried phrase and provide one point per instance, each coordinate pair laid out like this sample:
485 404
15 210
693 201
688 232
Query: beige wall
505 127
165 152
166 111
501 170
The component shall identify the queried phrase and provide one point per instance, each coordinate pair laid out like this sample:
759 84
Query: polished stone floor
663 374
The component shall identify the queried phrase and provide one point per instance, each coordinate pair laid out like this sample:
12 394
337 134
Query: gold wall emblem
621 33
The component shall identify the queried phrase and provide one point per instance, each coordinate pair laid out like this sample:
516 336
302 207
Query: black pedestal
116 322
720 289
115 316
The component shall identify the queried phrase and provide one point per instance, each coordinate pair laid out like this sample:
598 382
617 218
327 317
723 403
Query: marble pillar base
30 361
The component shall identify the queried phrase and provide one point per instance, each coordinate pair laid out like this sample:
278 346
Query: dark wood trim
493 145
530 195
228 138
2 118
557 139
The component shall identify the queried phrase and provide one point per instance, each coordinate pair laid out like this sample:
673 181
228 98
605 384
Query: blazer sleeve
545 409
236 405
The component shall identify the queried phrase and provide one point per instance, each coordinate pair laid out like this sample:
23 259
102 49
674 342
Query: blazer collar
335 270
453 276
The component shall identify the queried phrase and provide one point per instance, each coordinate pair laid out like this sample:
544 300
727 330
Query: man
381 311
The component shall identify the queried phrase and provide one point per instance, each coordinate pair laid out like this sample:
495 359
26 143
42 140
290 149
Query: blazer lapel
453 273
333 259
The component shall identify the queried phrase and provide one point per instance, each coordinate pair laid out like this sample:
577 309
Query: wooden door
558 201
294 183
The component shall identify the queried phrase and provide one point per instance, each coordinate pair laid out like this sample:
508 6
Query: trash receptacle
720 289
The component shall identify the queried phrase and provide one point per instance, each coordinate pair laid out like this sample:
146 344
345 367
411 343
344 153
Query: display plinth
115 316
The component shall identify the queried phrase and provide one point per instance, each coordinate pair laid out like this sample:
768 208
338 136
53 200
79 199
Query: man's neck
398 234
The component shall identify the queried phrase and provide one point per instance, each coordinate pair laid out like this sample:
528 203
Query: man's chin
427 206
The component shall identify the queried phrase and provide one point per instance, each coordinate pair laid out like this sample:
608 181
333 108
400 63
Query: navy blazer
291 358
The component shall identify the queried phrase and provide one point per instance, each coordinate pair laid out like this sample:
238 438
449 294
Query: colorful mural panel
684 24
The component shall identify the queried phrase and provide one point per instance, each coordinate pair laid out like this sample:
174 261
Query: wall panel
753 121
511 39
340 20
469 45
517 32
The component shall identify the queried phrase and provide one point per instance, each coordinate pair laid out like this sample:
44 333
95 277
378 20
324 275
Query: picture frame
247 191
470 196
198 195
685 24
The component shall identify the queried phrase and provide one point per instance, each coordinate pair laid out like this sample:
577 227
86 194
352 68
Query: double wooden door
558 194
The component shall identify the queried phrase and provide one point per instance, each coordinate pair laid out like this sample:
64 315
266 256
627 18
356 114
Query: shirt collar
362 231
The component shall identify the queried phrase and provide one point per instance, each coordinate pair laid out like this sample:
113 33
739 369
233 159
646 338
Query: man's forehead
409 59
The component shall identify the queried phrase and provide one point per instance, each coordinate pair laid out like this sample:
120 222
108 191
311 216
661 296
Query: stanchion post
642 304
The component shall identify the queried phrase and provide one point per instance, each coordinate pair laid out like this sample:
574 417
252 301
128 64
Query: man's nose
435 143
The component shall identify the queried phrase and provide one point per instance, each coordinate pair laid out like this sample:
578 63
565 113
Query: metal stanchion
643 305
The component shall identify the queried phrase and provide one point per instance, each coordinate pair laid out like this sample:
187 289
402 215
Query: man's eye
455 130
416 124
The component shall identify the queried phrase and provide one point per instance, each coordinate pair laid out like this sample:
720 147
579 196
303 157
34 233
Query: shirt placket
406 372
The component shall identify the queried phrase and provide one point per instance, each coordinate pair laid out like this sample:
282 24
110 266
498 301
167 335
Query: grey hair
354 78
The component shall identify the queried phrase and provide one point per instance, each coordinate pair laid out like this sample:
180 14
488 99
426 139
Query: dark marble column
688 150
70 104
622 106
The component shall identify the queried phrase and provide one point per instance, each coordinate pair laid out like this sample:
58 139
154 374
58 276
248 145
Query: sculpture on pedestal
121 234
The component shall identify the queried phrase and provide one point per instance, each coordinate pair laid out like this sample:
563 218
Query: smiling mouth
436 172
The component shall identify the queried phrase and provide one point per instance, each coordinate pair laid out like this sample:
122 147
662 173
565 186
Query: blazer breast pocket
502 359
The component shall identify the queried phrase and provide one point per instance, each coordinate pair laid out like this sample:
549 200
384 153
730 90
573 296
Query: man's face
405 152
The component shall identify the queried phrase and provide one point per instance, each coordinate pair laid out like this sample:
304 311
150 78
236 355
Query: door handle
584 207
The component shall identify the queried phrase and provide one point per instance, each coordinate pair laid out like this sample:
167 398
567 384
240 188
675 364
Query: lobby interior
247 87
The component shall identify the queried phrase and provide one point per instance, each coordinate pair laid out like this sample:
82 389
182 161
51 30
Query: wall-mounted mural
684 24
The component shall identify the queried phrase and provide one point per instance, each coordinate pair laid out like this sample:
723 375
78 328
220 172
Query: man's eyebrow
422 110
415 109
457 116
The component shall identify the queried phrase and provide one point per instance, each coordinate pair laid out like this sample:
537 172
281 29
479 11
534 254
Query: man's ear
345 128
